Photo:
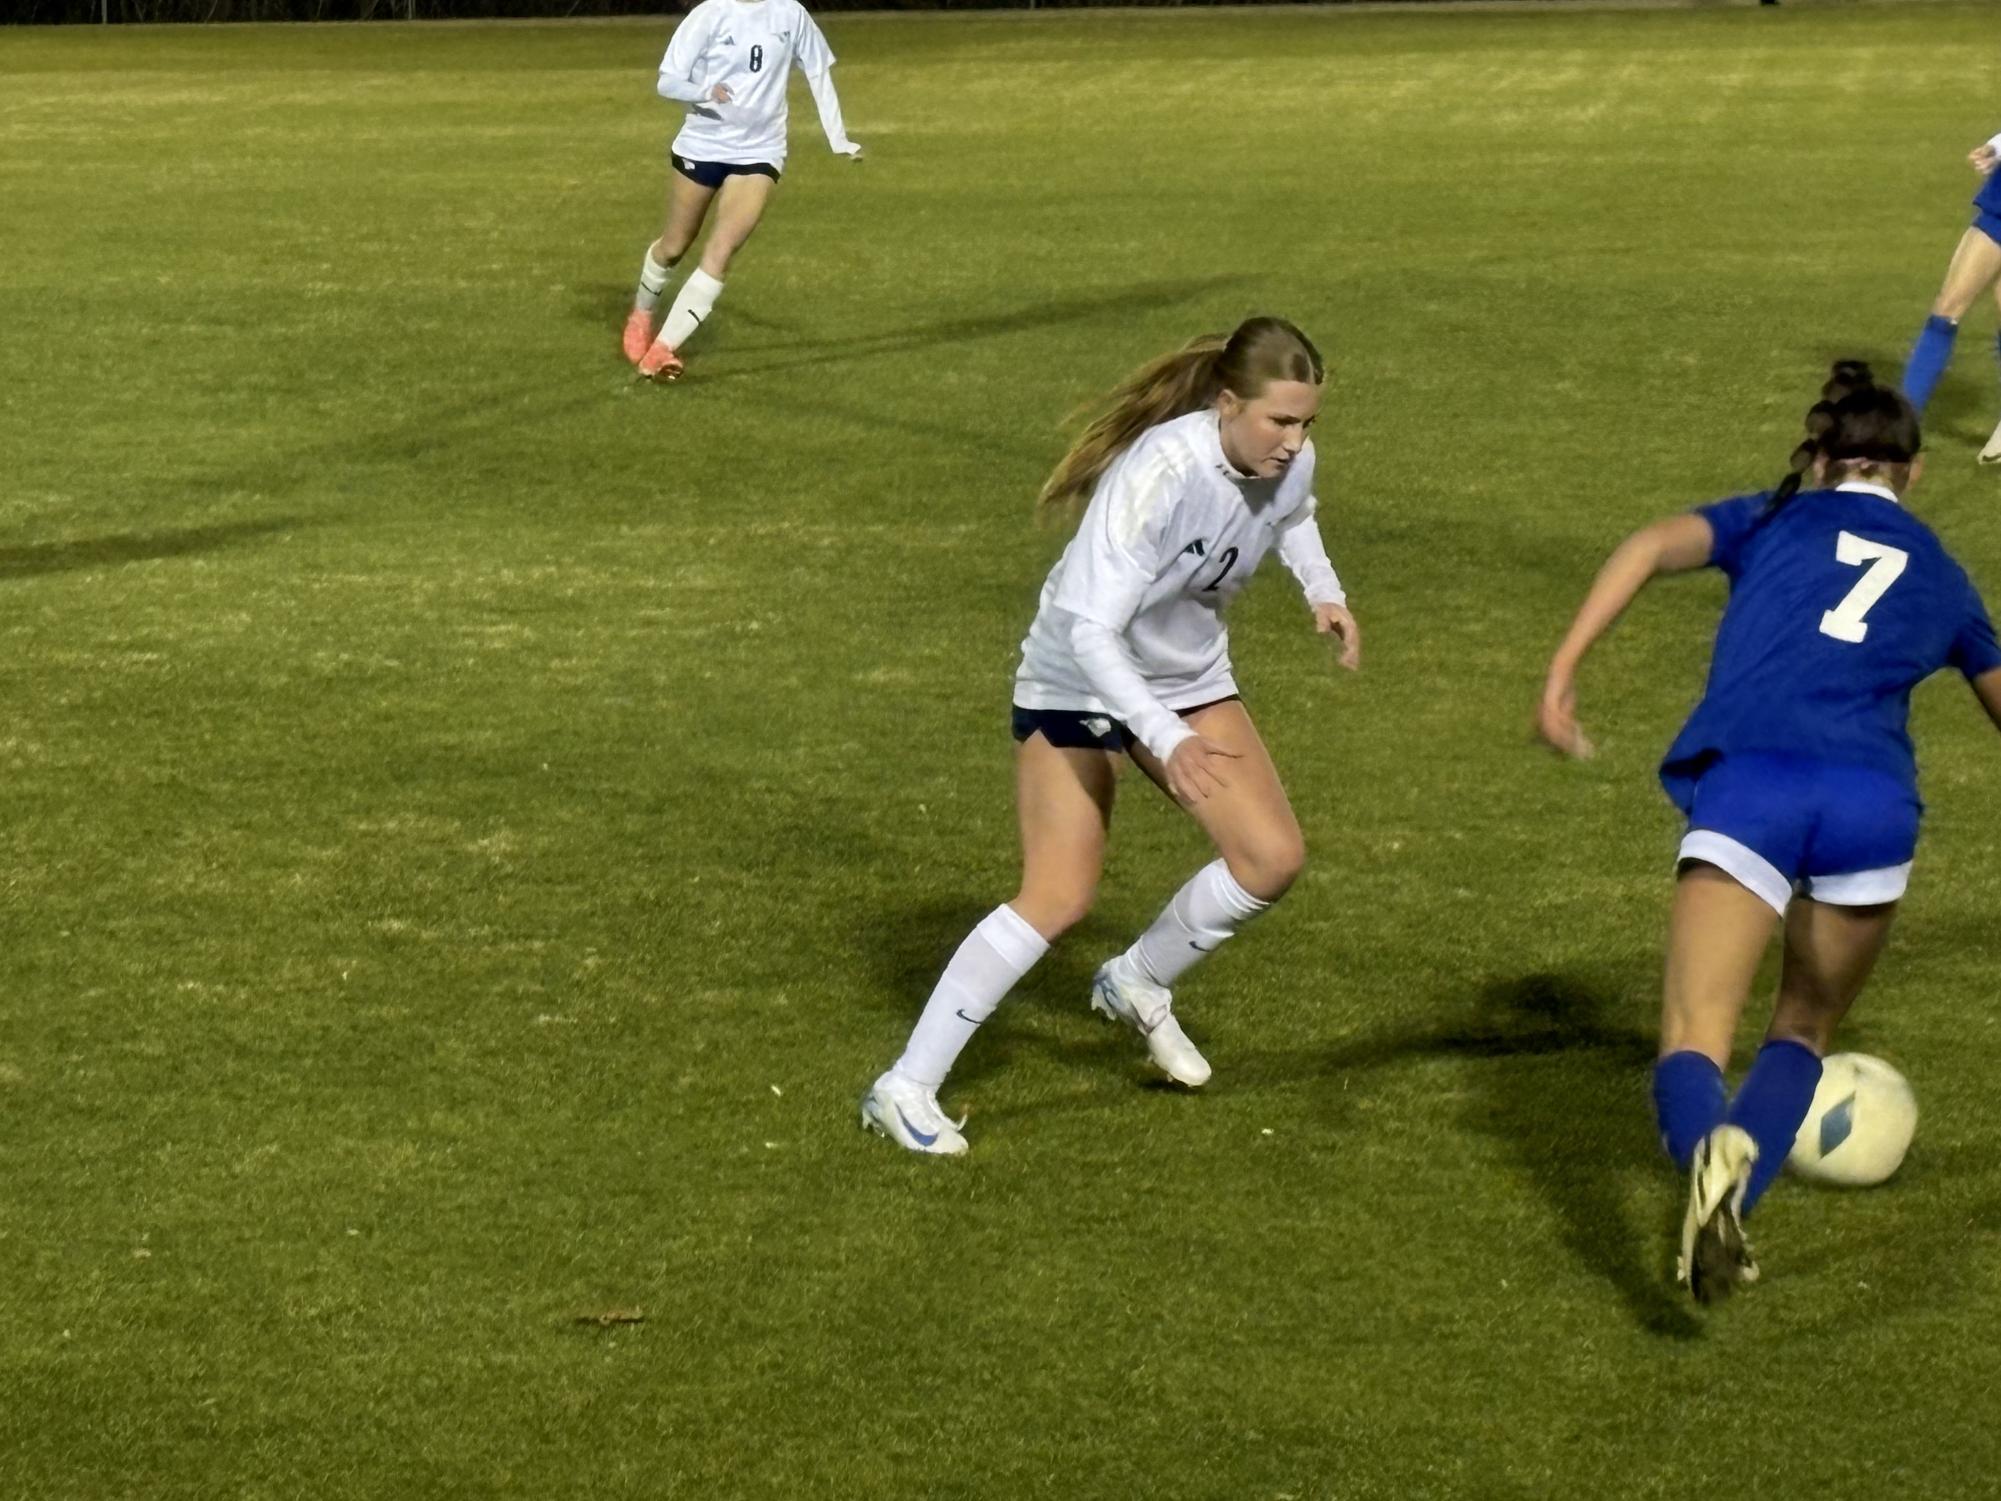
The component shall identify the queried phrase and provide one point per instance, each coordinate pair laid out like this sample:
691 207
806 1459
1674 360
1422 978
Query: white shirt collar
1863 487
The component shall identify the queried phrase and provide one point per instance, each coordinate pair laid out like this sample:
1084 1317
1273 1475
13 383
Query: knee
1267 866
1053 913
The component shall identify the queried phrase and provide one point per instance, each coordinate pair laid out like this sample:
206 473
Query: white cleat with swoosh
909 1115
1122 995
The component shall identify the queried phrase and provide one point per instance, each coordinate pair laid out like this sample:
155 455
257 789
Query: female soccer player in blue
1797 775
1975 266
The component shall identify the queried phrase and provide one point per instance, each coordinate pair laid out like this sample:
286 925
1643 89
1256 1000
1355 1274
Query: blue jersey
1840 605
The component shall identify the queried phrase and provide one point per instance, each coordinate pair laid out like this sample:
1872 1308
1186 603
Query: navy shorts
715 174
1779 824
1076 729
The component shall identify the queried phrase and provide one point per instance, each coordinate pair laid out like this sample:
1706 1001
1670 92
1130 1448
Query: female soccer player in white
729 62
1200 467
1975 266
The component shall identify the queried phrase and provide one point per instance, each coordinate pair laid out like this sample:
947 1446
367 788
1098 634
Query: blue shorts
715 174
1779 824
1077 729
1988 224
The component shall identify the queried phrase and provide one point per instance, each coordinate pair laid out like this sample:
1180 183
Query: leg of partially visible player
1991 454
1717 935
687 206
739 205
1975 265
1261 852
1064 803
1829 952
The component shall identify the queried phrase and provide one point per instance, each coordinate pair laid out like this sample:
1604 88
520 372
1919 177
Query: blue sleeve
1732 522
1974 650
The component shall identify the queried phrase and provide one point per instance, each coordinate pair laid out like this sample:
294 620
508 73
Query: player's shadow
793 354
732 359
1564 1091
35 559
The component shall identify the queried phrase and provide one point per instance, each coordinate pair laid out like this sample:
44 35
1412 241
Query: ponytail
1258 352
1171 386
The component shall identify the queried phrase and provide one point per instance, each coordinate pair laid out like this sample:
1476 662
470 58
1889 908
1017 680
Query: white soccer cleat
1715 1256
909 1115
1991 454
1148 1010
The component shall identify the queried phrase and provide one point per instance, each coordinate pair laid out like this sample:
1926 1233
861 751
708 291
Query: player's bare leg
1976 262
1991 454
687 205
1251 823
1064 803
739 206
1830 951
1717 935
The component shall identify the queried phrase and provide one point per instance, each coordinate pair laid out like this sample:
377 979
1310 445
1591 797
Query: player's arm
1302 549
1987 688
815 59
1675 545
684 57
1986 155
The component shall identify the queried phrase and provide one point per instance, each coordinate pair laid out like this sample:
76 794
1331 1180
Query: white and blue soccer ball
1860 1126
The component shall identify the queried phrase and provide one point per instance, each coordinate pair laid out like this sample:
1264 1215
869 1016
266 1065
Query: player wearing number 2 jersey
729 61
1199 469
1797 775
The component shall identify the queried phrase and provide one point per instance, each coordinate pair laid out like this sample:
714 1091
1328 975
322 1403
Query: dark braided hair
1855 420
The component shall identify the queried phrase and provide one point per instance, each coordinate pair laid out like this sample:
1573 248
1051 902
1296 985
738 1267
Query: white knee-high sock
692 303
653 279
1205 912
992 960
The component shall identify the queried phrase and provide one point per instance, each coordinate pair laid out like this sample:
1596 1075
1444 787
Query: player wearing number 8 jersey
729 61
1797 775
1198 470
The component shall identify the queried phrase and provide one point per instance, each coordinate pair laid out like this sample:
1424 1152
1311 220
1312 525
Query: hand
1556 722
1195 769
721 94
1983 158
1334 620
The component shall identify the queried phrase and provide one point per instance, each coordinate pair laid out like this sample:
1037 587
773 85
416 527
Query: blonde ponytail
1258 352
1169 387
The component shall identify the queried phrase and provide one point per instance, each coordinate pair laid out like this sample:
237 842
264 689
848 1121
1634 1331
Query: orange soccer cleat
638 334
660 362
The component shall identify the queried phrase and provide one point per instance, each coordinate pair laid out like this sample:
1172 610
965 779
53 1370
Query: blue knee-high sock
1772 1101
1688 1102
1929 357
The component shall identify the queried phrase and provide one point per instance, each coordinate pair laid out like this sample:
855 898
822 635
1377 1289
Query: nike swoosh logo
1199 949
915 1135
971 1020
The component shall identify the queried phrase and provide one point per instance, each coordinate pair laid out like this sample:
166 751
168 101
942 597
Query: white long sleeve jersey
1130 623
751 47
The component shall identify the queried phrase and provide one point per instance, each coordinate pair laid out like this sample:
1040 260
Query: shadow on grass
793 353
1564 1091
34 559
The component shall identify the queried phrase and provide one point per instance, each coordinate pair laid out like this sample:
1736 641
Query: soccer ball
1860 1124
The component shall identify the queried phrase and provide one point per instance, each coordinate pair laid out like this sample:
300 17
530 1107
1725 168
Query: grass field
473 824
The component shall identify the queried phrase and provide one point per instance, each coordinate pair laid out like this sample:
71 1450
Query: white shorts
1756 874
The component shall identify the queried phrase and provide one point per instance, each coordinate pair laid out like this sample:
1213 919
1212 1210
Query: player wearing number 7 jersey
729 62
1797 775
